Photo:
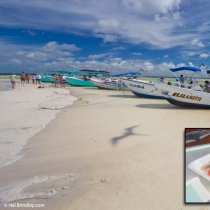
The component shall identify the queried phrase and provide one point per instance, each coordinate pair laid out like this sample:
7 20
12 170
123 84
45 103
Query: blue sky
119 36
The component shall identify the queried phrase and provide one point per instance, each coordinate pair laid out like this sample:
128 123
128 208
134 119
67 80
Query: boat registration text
181 95
137 86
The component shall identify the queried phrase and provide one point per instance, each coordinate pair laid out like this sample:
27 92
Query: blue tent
126 74
185 68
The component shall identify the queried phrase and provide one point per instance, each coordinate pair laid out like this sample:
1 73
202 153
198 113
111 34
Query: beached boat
105 84
47 78
111 83
184 96
82 78
143 88
75 81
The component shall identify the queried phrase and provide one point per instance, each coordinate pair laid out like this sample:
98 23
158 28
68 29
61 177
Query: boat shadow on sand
167 106
128 132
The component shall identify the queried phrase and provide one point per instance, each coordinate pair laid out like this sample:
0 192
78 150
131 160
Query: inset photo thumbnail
197 165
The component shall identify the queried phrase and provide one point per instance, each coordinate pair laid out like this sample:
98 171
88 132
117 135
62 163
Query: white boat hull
185 97
143 88
101 84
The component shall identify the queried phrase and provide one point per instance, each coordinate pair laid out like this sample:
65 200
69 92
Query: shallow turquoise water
5 85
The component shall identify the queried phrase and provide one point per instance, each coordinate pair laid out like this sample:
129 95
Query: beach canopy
185 68
133 73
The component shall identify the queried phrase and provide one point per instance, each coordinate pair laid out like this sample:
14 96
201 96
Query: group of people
25 79
180 82
59 79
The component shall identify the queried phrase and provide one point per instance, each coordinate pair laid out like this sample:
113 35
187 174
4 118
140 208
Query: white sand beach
24 112
109 150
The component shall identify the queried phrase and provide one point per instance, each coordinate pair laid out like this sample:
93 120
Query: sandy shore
109 150
24 112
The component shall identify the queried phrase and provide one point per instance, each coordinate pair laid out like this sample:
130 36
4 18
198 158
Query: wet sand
109 150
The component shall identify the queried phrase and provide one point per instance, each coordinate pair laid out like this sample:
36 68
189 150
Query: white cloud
189 53
166 56
165 66
148 66
196 42
43 58
30 32
150 7
36 57
136 53
190 64
16 61
53 45
161 24
97 56
107 25
204 55
107 37
118 48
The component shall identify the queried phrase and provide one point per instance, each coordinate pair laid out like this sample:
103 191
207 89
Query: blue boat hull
142 95
187 105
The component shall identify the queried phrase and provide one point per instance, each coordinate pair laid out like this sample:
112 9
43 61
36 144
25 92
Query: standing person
190 84
56 80
39 78
85 78
13 80
161 80
33 78
64 81
27 78
178 83
182 80
207 86
119 84
61 79
22 78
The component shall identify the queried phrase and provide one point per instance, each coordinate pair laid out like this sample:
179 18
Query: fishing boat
111 83
185 96
75 81
106 84
82 78
47 78
143 88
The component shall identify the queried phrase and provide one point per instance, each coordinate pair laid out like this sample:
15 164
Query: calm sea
5 84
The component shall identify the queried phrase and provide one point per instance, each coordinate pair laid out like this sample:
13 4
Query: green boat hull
79 82
46 78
